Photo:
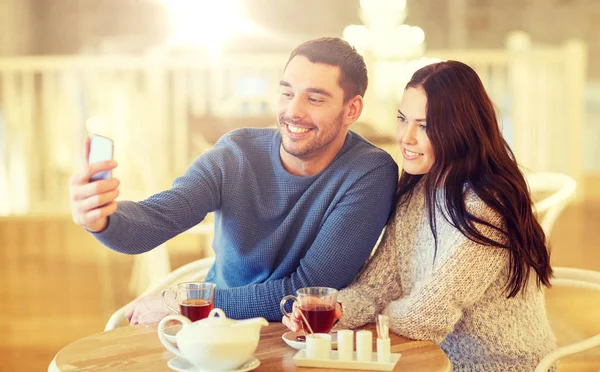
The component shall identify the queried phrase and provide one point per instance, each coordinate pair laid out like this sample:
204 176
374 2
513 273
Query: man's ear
353 109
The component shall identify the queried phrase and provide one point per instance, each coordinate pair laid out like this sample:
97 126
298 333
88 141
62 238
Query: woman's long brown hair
470 150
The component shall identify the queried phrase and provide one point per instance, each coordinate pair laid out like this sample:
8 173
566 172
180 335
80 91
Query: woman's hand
294 322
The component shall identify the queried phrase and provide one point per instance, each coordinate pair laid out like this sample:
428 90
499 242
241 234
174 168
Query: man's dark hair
334 51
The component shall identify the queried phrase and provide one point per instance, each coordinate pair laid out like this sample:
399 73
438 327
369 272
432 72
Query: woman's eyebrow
417 120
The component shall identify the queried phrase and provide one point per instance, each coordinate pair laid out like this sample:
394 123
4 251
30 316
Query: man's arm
139 227
340 249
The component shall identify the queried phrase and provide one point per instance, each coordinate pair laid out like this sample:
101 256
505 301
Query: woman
463 259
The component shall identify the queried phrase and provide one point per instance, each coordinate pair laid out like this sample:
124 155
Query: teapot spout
254 321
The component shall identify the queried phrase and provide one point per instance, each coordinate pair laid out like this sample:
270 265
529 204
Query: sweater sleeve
138 227
377 284
342 245
434 306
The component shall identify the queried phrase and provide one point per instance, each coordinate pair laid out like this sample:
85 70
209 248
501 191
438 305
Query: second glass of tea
195 299
318 306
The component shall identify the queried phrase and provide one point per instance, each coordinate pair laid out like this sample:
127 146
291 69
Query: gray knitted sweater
457 301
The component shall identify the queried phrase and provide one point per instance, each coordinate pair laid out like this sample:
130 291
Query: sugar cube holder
362 358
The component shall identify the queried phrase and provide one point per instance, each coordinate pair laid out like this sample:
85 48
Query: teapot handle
161 335
217 311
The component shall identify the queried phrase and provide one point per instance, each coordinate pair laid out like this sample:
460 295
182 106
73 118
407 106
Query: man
295 207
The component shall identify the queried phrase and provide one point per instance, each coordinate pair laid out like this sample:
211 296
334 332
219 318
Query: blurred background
166 78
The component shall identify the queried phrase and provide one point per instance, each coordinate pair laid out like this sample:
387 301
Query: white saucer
290 339
171 331
182 365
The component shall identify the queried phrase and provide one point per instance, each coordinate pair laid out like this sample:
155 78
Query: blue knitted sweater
274 232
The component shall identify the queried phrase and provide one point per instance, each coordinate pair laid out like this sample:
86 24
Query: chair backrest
573 278
195 270
559 190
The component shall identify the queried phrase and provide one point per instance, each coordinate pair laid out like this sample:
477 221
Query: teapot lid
213 320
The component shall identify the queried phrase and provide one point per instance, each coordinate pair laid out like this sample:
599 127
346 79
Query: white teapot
214 343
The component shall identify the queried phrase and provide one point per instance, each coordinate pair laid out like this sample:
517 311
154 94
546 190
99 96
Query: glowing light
383 4
384 33
206 22
357 36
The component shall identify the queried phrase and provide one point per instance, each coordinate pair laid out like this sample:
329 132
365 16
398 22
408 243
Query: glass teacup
195 299
317 304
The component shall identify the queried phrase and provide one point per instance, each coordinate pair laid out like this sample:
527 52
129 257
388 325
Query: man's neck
310 165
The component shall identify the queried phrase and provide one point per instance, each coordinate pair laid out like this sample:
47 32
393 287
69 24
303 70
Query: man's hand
294 323
92 203
147 309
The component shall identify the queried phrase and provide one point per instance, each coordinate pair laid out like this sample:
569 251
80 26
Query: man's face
311 109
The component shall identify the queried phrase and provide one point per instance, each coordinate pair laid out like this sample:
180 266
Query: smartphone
101 148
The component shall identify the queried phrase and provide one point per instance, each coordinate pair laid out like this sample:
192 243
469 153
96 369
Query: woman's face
412 132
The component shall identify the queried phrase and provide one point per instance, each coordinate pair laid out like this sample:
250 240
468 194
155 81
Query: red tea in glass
320 317
317 305
196 308
195 299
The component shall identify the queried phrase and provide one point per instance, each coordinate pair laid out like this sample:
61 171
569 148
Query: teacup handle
163 294
161 335
283 302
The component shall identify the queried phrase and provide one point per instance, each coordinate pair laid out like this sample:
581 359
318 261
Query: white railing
153 106
147 104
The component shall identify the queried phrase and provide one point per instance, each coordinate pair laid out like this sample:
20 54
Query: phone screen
101 148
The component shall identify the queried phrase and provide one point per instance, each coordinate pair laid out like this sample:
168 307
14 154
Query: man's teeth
297 129
410 153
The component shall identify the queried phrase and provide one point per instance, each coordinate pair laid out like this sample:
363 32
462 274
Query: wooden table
137 348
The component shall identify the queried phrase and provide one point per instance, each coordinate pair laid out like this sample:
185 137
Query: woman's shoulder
476 206
412 201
